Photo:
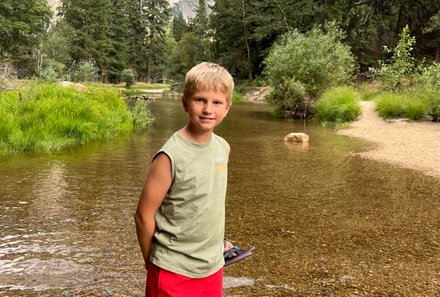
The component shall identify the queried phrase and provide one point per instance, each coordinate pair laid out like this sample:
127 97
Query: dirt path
413 145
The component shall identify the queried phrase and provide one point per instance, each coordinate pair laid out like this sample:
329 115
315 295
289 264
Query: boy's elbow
139 218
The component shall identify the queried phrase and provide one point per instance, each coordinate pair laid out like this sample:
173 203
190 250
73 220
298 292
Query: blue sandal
239 254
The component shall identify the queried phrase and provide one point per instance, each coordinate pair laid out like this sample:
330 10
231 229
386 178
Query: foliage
429 82
182 56
179 26
430 77
412 104
147 37
300 67
55 45
49 74
127 76
83 71
142 117
399 73
338 105
199 26
90 22
234 45
22 24
47 117
118 31
237 97
368 91
389 105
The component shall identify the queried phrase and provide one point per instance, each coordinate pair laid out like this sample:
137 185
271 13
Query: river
324 222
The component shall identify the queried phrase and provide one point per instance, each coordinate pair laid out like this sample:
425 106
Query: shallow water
324 222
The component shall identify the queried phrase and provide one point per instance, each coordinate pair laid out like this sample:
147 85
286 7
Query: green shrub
413 104
83 71
338 105
46 117
414 109
127 76
142 117
398 73
237 97
390 105
300 67
49 74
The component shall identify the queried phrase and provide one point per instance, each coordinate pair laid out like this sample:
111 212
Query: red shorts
163 283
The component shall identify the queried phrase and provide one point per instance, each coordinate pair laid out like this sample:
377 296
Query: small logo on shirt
220 164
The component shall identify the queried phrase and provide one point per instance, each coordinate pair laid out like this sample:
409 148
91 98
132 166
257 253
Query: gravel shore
414 145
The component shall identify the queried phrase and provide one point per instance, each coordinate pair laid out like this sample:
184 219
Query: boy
180 217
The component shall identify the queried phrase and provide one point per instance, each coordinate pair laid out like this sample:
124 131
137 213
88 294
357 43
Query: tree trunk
248 50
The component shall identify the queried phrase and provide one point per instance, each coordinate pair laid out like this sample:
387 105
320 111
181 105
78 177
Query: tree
433 28
300 67
55 46
179 26
183 56
233 36
90 21
200 28
147 32
118 30
22 24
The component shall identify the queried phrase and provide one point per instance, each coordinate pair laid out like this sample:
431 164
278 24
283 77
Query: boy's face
206 109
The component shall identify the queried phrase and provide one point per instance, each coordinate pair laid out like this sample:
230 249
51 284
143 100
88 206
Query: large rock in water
297 137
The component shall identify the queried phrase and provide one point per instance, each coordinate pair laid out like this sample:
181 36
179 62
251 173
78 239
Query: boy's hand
228 245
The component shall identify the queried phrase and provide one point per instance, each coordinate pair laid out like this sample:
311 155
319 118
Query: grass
47 117
237 97
338 105
412 104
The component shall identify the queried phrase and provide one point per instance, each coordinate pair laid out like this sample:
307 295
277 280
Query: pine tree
200 27
22 25
147 29
90 21
179 26
118 36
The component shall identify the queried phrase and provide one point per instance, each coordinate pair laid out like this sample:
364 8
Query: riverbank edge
402 143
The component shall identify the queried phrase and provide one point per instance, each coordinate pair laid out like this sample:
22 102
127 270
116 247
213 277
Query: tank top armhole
171 161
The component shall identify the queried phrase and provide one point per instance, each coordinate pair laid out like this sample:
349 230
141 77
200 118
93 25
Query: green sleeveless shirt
190 223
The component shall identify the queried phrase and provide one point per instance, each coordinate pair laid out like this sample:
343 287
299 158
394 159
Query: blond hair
209 76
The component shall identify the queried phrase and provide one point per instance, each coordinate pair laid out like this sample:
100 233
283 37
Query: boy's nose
207 108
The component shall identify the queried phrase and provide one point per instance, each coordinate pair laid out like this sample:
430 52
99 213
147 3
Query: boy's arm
155 188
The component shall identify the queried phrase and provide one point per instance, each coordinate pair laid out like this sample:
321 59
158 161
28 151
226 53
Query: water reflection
325 223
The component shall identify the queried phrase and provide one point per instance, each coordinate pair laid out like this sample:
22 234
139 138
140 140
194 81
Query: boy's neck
195 136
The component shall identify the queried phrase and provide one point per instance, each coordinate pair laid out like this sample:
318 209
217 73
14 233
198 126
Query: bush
338 105
389 105
49 74
400 72
300 67
411 104
237 97
127 76
83 71
142 117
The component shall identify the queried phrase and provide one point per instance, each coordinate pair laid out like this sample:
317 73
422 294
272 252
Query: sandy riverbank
414 145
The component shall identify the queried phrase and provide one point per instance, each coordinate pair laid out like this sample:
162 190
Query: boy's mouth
207 118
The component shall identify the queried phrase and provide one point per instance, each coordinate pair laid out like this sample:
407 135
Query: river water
324 222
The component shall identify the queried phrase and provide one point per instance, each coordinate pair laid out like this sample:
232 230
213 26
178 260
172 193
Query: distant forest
158 44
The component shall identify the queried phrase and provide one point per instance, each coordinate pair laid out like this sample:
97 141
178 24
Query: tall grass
412 104
47 117
338 105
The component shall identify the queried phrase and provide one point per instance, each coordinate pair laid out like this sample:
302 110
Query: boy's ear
184 103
